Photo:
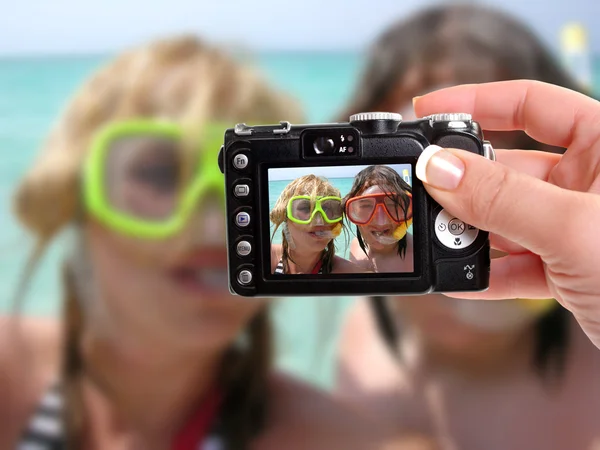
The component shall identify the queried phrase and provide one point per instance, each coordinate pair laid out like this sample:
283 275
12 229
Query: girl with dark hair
380 205
493 375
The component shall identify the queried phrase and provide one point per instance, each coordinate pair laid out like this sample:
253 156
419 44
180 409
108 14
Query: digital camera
335 209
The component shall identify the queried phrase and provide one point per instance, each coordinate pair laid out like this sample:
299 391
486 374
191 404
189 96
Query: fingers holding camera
534 163
558 225
537 164
495 197
550 114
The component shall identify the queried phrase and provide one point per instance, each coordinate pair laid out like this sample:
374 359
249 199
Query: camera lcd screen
341 219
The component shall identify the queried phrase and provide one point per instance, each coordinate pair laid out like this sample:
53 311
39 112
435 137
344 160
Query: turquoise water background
33 92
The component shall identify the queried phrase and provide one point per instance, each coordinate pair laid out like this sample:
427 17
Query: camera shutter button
450 117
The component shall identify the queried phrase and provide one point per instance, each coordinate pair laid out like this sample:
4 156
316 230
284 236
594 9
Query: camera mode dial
376 122
362 117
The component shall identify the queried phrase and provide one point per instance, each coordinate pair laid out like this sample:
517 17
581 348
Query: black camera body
448 255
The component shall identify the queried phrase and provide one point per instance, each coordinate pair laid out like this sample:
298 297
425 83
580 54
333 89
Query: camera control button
241 190
456 227
244 277
240 161
242 219
243 248
453 233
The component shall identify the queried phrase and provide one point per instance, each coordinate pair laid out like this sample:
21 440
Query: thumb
496 198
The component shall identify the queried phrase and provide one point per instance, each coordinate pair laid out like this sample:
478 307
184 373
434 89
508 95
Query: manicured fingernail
439 168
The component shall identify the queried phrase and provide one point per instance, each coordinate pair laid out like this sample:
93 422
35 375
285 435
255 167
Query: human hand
543 209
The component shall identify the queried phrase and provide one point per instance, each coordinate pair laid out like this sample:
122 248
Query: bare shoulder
29 341
305 417
359 257
364 366
344 266
29 361
356 253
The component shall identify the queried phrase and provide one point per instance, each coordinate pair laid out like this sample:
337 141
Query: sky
75 26
290 173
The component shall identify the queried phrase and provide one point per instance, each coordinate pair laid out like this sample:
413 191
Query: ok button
456 227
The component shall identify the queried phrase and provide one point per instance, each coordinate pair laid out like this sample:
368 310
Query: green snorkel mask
144 178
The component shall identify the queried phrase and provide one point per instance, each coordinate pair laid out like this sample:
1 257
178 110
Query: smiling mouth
383 232
202 273
320 234
205 279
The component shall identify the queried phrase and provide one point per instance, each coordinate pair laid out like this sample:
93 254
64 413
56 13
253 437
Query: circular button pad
456 227
454 233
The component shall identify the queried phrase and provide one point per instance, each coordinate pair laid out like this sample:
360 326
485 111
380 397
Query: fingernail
414 100
439 168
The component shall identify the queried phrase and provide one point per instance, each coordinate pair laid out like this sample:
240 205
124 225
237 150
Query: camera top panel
371 123
365 135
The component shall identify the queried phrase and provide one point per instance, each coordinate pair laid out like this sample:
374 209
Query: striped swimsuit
45 430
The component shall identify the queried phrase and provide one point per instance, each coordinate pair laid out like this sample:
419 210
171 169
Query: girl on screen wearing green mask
310 212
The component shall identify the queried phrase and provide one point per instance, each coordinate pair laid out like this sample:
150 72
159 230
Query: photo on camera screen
341 219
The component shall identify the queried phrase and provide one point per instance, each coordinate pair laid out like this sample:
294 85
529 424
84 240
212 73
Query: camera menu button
243 248
453 233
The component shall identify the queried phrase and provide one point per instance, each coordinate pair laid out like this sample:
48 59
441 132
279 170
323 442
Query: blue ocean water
33 92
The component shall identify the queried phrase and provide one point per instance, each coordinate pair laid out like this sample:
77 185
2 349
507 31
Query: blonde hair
182 79
313 186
